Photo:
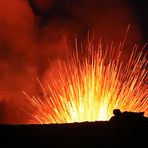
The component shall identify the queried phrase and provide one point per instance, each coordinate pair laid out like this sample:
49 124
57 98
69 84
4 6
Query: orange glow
88 88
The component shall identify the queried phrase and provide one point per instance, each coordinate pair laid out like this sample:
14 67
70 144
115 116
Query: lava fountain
89 87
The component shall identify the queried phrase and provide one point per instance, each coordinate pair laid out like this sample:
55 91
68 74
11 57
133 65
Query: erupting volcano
85 62
73 72
90 87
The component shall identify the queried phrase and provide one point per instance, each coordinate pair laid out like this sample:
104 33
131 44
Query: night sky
56 7
141 10
31 39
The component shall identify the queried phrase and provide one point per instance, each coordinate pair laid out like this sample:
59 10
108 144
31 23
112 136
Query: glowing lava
88 88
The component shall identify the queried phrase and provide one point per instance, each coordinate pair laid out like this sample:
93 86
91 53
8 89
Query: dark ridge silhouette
127 116
127 129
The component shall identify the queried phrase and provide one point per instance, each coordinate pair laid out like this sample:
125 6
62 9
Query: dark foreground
121 131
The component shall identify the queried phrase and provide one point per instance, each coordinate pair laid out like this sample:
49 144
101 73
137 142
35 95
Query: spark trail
89 87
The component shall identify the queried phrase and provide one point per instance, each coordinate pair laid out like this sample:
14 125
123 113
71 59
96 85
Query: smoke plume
31 38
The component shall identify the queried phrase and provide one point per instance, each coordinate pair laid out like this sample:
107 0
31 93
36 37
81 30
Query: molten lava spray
88 88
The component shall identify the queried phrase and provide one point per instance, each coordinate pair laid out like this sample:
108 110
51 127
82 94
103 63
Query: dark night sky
141 10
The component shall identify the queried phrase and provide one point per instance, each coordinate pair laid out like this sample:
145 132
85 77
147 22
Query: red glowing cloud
31 37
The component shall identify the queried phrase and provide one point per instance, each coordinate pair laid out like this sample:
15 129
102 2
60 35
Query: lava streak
89 87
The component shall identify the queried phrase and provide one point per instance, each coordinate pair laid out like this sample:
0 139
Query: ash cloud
31 37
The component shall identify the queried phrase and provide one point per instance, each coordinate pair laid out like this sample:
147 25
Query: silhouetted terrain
123 130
